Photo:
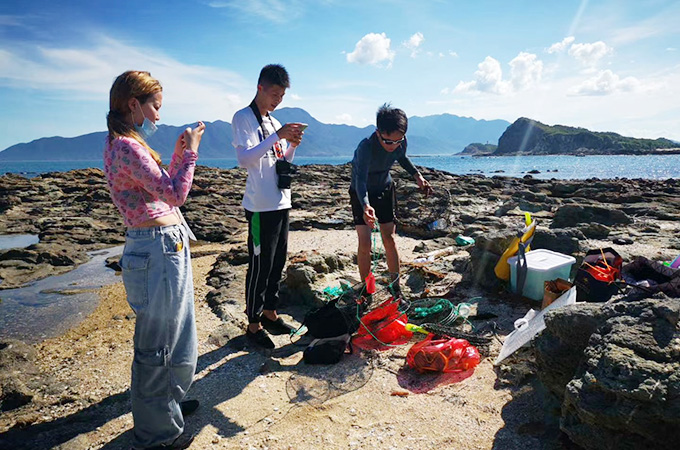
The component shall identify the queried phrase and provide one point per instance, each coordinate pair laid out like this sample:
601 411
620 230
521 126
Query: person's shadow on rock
218 379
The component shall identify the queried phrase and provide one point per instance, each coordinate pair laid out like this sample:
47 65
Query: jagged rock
113 262
299 276
573 215
14 393
8 201
595 231
623 241
17 367
559 348
624 392
565 241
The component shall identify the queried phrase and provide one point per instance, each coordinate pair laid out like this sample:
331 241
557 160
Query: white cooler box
542 265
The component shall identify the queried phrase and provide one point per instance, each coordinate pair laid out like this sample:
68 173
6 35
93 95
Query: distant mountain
447 133
439 134
479 149
529 137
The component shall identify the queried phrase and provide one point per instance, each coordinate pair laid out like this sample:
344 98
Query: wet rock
113 262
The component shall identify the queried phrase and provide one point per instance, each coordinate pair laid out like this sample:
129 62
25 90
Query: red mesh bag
387 325
442 355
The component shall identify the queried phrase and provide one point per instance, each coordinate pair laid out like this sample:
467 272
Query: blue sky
603 65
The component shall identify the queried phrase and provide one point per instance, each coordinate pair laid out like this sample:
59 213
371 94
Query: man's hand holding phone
292 132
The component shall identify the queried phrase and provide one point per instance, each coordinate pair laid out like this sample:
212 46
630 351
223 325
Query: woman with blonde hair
156 262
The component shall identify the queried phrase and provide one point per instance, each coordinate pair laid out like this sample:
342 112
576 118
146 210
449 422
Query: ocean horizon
655 167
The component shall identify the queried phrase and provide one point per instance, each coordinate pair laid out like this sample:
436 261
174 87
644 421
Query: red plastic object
370 283
384 325
442 355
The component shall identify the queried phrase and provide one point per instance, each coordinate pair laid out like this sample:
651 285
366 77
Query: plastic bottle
464 310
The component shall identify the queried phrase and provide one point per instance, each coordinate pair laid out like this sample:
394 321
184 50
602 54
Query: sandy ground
250 400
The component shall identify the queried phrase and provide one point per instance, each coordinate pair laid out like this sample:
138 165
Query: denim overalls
156 266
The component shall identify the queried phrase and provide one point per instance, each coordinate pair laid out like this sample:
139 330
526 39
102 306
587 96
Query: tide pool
17 240
50 306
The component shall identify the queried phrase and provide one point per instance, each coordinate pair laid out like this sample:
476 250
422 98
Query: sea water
17 240
52 305
656 167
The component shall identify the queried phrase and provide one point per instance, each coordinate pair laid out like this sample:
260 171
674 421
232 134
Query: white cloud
295 97
344 118
414 43
488 78
589 54
191 92
372 49
272 10
606 82
452 53
525 71
559 47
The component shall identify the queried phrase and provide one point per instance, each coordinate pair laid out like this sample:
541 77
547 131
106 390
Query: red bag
384 325
596 279
442 355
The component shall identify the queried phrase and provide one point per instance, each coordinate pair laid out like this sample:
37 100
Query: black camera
285 172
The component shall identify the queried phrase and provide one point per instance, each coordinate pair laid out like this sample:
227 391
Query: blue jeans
157 275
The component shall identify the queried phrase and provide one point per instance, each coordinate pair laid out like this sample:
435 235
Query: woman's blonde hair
131 84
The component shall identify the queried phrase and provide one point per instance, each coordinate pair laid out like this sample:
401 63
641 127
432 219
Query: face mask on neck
147 128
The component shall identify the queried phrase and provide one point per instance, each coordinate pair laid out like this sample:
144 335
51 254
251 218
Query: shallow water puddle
48 307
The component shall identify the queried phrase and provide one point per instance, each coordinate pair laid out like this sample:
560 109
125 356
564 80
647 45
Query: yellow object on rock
502 268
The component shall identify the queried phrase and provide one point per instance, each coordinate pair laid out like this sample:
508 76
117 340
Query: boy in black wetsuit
372 193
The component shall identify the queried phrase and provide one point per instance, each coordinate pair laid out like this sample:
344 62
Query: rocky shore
496 407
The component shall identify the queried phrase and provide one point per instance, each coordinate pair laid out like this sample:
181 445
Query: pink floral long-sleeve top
139 187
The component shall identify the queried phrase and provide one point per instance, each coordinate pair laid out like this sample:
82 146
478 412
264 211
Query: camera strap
265 133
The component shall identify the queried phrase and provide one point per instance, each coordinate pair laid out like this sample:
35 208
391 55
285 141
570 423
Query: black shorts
384 202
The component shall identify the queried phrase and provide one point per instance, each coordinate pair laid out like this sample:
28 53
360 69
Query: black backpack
332 319
328 350
599 276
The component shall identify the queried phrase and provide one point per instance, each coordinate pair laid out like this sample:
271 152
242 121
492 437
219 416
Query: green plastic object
464 240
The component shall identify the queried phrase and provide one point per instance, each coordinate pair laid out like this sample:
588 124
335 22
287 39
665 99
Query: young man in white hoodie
261 144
